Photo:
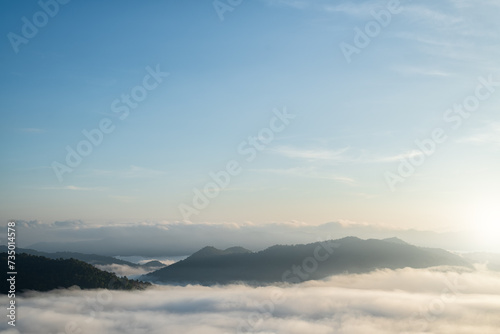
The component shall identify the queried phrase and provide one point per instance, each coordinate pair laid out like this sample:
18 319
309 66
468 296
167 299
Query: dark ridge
43 274
275 264
396 241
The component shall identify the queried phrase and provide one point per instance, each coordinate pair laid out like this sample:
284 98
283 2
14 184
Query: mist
434 300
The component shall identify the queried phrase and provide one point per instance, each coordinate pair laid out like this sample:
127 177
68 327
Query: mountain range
208 266
297 263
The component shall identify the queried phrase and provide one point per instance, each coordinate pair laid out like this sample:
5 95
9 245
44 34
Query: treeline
42 274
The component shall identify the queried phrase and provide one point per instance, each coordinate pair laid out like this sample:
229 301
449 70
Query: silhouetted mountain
396 241
153 264
92 259
212 251
298 263
44 274
491 260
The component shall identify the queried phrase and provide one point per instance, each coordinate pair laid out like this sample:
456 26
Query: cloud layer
388 302
154 239
123 270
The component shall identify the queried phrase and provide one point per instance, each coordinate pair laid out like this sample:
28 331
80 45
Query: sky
375 112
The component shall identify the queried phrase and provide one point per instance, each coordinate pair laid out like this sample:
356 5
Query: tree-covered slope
43 274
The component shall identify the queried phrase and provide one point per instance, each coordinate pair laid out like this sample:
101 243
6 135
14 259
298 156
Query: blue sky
354 122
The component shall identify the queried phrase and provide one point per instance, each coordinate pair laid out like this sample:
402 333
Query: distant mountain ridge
212 251
92 259
396 241
43 274
299 263
491 260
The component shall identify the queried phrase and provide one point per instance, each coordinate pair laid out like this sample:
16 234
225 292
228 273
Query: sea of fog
381 302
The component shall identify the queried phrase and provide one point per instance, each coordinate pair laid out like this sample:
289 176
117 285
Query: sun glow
486 222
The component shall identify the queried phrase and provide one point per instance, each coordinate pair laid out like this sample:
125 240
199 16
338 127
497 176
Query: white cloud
131 272
433 40
123 270
423 71
420 12
311 154
474 3
489 135
383 302
483 138
399 157
360 9
337 156
309 172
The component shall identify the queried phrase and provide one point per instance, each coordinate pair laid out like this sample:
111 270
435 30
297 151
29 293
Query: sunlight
487 222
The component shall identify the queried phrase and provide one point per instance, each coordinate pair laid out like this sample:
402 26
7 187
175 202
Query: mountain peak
212 251
207 251
237 250
395 240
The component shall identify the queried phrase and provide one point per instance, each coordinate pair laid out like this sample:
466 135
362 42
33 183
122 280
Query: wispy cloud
484 138
309 172
433 40
422 71
362 9
298 4
311 154
489 135
123 270
425 13
474 3
447 33
338 156
359 9
397 157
